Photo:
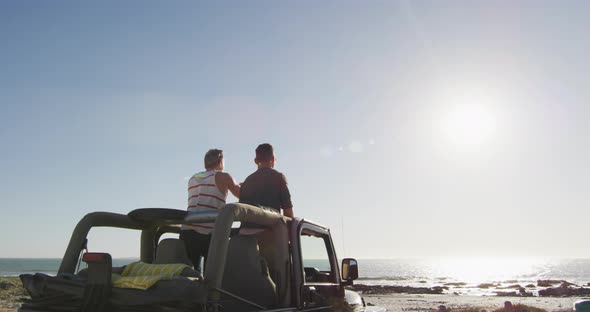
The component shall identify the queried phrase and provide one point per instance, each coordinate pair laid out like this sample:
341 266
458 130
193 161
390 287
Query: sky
410 128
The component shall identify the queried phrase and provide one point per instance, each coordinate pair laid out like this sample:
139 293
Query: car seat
171 250
246 273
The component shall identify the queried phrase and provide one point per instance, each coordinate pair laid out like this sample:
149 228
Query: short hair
213 158
265 152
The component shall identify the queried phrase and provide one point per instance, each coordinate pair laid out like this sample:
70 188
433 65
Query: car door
320 289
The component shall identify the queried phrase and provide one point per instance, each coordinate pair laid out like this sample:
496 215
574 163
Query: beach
12 294
428 302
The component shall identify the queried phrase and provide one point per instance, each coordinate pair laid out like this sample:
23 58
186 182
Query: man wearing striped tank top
207 191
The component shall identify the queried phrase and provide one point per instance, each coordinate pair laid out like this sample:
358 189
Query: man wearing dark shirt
267 187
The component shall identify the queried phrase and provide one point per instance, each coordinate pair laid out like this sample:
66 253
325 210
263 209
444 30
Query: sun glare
486 269
469 124
467 116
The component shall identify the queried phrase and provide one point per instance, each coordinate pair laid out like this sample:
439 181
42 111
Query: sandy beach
426 302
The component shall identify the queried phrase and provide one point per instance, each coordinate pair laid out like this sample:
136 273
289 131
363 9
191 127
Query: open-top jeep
287 265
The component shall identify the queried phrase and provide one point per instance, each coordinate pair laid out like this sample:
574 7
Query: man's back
266 187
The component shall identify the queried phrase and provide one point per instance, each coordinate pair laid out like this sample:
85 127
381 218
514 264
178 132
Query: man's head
214 159
265 156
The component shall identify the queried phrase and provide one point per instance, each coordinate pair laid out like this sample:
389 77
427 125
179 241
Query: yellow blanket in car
140 275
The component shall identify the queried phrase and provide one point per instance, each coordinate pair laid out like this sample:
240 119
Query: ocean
474 276
462 276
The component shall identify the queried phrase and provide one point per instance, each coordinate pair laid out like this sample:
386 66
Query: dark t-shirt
266 187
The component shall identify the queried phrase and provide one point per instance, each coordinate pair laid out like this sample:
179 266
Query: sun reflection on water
476 270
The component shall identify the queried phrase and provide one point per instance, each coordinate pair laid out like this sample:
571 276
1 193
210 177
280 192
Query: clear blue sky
455 128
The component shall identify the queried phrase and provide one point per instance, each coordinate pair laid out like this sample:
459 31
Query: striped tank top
203 195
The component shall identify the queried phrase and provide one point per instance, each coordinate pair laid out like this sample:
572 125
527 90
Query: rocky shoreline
387 289
544 288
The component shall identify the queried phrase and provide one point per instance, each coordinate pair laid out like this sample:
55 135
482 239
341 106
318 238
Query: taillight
96 257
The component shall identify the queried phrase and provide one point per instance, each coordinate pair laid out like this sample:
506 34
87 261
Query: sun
468 114
469 124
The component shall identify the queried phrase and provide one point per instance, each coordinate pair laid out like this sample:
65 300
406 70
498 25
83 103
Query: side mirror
350 270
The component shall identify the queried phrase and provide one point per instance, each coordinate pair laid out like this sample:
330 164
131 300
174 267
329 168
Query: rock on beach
12 294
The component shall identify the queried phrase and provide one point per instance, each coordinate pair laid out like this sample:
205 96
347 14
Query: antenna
342 229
